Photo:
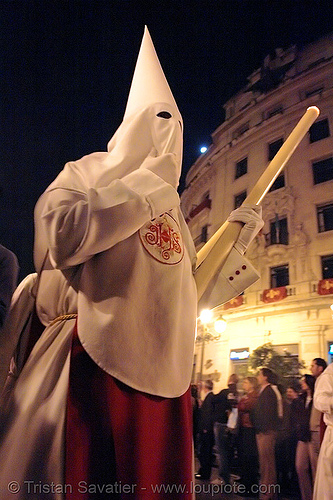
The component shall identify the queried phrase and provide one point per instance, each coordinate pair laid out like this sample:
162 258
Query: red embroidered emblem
162 239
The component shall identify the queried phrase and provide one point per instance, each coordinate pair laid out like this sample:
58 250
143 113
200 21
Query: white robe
33 412
323 401
136 308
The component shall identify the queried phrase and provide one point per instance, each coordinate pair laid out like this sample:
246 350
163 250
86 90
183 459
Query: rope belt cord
63 317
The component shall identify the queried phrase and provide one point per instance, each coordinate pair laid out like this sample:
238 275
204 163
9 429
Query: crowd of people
263 437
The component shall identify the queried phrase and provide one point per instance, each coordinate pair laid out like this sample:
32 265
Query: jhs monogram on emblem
162 239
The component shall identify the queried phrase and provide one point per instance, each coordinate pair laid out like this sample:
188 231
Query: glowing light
331 307
205 316
203 149
220 325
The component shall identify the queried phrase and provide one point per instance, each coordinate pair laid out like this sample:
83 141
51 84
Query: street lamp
220 325
206 316
206 335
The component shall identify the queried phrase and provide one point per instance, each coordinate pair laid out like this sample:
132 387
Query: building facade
290 305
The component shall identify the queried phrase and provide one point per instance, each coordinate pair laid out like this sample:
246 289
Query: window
289 352
241 168
203 237
230 112
278 234
327 267
273 148
314 91
275 111
322 170
316 62
330 352
241 130
279 276
278 183
319 130
204 234
325 218
239 198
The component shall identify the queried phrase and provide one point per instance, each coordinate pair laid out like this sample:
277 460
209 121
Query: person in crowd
224 401
266 423
195 412
286 444
247 438
323 401
278 389
200 386
317 425
291 394
206 434
9 269
300 413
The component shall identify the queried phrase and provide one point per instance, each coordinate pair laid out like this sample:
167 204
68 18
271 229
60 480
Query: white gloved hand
251 217
164 166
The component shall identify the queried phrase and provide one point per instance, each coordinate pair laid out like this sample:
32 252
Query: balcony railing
206 203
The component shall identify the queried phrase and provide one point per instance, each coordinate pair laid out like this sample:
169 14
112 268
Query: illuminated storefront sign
239 354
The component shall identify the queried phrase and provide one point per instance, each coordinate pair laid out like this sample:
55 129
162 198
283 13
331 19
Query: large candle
213 255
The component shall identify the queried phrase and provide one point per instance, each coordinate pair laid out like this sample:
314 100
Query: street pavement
215 490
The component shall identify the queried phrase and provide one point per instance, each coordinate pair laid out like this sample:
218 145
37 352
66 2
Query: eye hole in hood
164 114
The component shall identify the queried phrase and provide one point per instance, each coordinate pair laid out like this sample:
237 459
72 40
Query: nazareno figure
102 404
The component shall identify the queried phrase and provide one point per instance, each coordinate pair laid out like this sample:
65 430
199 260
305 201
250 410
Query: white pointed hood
149 84
152 125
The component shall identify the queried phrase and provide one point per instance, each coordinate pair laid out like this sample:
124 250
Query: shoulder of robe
78 174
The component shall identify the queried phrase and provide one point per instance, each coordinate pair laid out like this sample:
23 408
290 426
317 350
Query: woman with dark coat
247 437
301 411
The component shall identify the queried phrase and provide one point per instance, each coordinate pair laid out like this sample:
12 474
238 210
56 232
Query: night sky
66 69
